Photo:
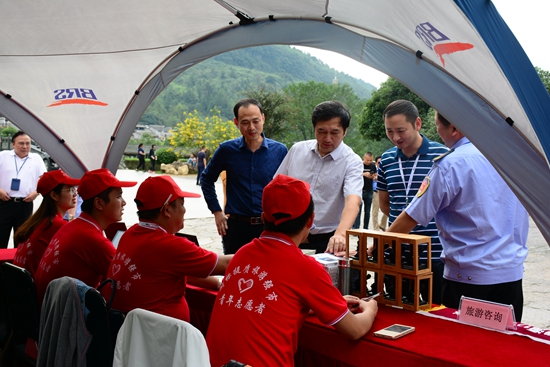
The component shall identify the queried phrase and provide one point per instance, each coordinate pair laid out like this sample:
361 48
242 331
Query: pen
366 299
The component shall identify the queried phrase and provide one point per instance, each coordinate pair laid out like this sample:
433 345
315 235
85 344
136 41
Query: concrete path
200 222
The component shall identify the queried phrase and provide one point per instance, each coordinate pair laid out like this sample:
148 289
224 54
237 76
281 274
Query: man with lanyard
401 171
152 265
19 173
482 225
80 249
250 162
334 172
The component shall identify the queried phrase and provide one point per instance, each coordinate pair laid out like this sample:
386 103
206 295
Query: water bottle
344 273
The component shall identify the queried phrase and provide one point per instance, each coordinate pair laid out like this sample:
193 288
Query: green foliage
222 80
371 122
147 139
8 131
429 129
544 77
131 163
274 105
166 156
196 131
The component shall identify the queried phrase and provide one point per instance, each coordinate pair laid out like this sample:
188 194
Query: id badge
15 182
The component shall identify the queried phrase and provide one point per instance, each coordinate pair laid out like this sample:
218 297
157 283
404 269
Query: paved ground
200 222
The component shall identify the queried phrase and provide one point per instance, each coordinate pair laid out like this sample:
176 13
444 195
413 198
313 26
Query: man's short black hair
328 110
293 226
402 107
88 204
442 119
18 134
245 103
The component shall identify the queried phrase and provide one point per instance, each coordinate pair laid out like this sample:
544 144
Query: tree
196 131
544 77
8 131
275 110
371 122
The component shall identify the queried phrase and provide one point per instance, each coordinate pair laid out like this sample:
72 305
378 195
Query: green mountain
222 80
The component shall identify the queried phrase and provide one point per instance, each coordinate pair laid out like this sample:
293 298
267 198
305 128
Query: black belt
17 200
250 220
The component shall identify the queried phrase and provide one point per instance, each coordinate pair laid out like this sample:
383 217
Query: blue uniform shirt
247 174
391 180
482 225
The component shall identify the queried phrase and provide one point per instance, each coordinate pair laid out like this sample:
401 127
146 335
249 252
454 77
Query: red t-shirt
30 252
79 250
268 290
150 268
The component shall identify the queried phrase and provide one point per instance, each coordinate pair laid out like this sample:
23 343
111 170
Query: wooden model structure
400 267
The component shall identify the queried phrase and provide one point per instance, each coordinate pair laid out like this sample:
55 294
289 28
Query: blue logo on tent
69 96
435 40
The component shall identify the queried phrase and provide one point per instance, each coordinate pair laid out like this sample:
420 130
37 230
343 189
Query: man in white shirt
334 172
19 173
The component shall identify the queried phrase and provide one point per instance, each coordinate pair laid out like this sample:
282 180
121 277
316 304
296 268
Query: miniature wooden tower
399 266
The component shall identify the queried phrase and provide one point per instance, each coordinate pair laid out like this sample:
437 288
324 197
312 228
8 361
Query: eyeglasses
73 190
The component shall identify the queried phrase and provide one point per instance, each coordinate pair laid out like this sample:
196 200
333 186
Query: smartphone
395 331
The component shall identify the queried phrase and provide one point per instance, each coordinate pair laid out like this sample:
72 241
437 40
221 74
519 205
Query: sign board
488 314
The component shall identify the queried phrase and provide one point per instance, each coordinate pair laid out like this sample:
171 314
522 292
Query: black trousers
238 234
510 293
12 215
141 163
153 162
317 242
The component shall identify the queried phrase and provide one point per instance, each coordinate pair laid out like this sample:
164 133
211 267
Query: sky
528 20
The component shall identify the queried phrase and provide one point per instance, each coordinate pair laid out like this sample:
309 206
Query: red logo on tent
435 40
75 96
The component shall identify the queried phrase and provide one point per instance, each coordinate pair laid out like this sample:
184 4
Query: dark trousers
153 162
367 203
317 242
238 234
510 293
141 163
12 215
437 286
199 173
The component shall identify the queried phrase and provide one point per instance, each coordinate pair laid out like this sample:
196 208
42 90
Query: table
435 342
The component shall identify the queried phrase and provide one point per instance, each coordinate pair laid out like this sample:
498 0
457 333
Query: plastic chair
149 339
23 308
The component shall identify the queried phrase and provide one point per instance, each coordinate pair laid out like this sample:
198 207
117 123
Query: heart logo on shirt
245 285
116 269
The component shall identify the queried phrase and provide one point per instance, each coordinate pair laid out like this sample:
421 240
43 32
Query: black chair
23 308
101 349
6 332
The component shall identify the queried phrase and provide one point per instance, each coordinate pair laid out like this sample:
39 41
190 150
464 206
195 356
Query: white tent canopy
77 76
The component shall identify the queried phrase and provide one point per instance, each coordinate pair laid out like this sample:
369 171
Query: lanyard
278 239
22 164
152 226
408 187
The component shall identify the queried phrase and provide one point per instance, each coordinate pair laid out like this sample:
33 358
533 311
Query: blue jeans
367 202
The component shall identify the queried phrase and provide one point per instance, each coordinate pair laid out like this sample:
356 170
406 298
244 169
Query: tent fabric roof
77 76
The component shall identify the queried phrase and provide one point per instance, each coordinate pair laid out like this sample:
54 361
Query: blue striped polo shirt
391 180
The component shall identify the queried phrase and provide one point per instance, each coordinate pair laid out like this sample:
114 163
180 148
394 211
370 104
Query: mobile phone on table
394 332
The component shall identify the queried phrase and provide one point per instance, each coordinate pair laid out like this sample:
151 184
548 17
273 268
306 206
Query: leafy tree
274 105
545 77
196 131
371 122
8 131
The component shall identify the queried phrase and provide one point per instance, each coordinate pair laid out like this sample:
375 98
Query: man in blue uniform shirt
400 174
250 162
482 225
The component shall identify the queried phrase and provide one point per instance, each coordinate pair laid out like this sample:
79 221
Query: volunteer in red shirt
80 249
59 195
270 286
152 265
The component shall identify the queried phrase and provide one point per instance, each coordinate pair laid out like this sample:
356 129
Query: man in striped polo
402 170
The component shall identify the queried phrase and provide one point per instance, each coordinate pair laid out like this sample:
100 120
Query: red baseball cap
157 191
49 181
95 182
285 196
